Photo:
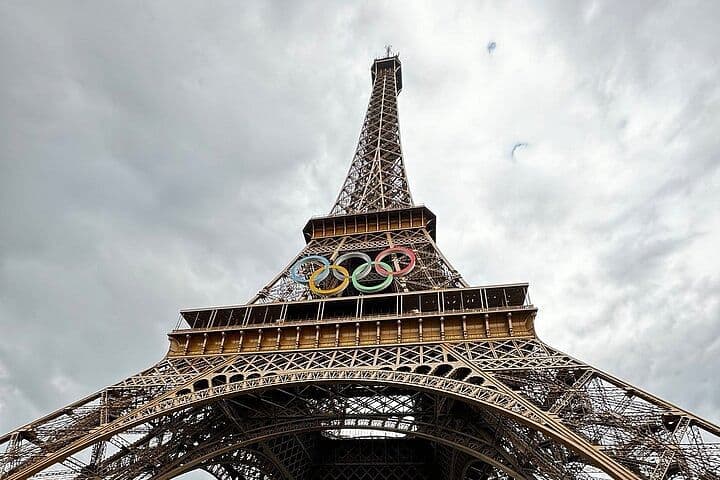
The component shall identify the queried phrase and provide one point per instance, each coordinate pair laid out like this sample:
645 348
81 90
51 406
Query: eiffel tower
368 357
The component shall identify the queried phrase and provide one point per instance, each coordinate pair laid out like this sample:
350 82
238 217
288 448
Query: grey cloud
160 155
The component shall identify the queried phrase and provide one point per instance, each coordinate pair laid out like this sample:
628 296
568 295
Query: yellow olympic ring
330 291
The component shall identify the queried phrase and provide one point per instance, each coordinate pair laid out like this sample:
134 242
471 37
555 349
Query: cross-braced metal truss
443 382
432 271
377 178
555 418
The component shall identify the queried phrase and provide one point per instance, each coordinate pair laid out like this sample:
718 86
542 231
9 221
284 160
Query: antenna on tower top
388 50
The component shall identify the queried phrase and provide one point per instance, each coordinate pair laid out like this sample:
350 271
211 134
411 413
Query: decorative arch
485 395
211 451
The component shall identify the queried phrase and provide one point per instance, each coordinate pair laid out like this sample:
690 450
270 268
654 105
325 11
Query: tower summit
368 357
377 178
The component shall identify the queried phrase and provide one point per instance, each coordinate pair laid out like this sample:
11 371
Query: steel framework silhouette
368 357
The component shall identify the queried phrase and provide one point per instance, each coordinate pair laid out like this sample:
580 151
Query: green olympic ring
372 288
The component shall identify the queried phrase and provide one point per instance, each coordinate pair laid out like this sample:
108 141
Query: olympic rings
342 274
295 269
374 288
384 271
329 291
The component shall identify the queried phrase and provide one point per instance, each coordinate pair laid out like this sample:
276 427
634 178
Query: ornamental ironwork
368 357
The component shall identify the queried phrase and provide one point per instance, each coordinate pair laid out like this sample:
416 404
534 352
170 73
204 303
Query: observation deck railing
508 297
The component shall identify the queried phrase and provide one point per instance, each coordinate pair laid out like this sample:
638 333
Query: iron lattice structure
426 378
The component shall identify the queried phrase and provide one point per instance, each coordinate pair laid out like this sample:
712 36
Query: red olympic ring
405 251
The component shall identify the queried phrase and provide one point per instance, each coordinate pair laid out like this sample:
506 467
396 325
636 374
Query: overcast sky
162 155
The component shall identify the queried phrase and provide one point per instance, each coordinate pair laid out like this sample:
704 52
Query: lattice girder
243 464
432 270
466 381
496 392
377 179
384 415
